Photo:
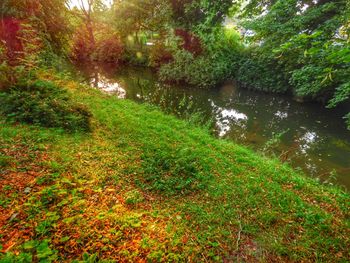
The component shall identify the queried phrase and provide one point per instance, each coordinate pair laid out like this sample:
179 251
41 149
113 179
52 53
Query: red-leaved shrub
102 50
159 55
190 42
82 48
109 50
9 36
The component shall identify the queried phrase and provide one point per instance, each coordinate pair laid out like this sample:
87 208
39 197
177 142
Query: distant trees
87 9
94 38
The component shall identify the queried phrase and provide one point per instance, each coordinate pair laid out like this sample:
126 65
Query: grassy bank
143 186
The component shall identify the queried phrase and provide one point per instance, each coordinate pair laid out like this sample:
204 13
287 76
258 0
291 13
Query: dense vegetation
298 47
45 104
85 176
306 43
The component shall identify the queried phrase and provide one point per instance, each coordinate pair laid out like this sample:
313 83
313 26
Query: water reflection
309 136
307 141
226 117
112 87
281 114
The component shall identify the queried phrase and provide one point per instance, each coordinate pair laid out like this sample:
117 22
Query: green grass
143 185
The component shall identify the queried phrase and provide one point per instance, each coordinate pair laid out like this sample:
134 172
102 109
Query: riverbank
306 136
145 186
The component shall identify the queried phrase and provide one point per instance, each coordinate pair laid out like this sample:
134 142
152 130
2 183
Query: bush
159 55
43 103
136 56
189 42
82 48
214 66
261 73
109 50
205 71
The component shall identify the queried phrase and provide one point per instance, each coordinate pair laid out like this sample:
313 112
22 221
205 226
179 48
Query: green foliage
324 70
135 56
42 103
254 72
50 60
5 75
41 250
133 197
12 258
137 16
301 46
347 118
5 161
200 15
216 65
202 72
34 249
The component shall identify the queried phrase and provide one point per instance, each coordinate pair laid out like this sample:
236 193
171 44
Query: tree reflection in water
311 137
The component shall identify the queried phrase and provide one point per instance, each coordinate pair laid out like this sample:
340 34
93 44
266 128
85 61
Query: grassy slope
146 186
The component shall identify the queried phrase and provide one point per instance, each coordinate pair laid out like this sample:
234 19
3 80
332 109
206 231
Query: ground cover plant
144 186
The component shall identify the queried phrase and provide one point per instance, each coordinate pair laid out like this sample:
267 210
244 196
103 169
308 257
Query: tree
87 10
47 17
203 15
306 42
134 16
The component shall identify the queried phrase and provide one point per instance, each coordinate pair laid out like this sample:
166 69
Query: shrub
136 56
159 54
109 50
189 42
43 103
82 48
176 70
214 66
261 73
205 71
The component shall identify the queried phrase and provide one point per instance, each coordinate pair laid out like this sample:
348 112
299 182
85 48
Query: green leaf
43 250
30 244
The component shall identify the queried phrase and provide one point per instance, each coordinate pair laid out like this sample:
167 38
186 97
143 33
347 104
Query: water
308 136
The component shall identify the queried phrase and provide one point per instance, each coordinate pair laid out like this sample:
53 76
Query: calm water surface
308 136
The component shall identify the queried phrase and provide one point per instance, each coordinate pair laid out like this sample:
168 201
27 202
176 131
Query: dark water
308 136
